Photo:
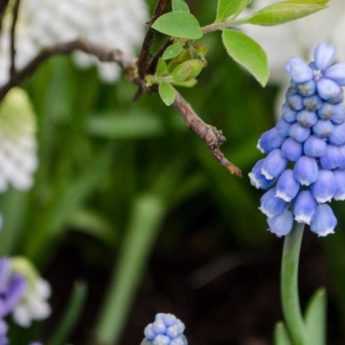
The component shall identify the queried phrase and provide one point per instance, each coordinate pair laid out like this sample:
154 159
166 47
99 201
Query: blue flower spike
166 329
303 169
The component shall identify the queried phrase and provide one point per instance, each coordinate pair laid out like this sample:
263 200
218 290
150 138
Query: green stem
74 308
289 286
147 213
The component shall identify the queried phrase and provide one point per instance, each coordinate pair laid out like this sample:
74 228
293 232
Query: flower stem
289 286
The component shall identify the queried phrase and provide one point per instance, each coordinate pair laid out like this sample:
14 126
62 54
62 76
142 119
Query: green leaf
187 70
285 11
145 219
230 8
91 223
167 93
180 5
179 24
248 53
187 83
172 51
126 125
315 318
162 68
73 311
281 336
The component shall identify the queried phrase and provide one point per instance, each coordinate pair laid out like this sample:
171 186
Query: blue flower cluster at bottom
166 329
304 167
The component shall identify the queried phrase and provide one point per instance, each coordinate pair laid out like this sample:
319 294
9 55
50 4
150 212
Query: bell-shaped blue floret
299 133
337 137
299 71
336 73
306 171
295 102
282 128
273 165
304 207
326 111
288 114
287 187
271 205
312 103
282 224
161 339
181 340
338 114
306 118
269 141
158 326
323 128
306 89
328 89
324 221
149 332
314 147
332 158
257 179
324 188
324 56
291 150
339 176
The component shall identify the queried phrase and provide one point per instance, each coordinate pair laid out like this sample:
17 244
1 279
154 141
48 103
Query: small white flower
18 156
34 305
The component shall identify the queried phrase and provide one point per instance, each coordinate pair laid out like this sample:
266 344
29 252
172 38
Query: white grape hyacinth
297 38
115 24
34 305
18 153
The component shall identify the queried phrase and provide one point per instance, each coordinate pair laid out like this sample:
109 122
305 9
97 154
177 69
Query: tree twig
103 54
145 50
15 14
212 136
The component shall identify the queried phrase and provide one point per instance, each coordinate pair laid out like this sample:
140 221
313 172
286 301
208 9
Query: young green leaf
167 93
315 318
315 2
285 11
162 68
179 24
248 53
230 8
187 70
187 83
180 5
172 51
281 336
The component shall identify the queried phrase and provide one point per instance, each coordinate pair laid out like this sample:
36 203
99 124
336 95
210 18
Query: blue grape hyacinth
304 167
166 329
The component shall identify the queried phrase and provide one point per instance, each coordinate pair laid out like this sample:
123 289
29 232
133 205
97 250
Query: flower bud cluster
304 167
165 330
23 294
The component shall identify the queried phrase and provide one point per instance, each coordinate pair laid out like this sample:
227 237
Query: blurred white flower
299 37
116 24
18 156
34 305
